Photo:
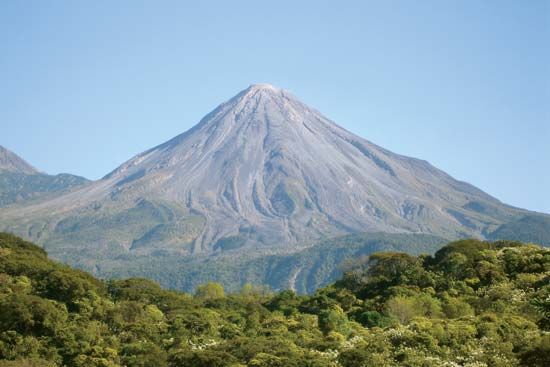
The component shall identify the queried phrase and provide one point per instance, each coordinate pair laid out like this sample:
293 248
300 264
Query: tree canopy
473 303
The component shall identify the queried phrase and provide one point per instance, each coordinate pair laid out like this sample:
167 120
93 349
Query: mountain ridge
21 183
262 173
11 162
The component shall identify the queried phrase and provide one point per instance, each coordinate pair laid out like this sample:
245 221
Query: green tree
33 362
538 355
31 314
334 319
210 291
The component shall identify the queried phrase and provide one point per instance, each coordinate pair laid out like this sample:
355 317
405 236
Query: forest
473 303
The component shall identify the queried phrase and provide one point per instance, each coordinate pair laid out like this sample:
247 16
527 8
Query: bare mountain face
22 183
11 162
265 173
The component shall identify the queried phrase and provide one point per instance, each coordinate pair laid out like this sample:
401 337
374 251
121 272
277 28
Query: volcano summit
261 173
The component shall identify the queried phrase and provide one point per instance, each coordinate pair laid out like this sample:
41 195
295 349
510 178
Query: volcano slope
262 174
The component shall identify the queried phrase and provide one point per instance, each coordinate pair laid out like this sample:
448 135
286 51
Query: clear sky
85 85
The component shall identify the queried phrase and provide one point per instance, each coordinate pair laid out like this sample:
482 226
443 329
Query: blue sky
463 84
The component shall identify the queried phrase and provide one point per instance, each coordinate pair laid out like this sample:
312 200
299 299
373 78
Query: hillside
303 271
530 228
11 162
21 183
17 188
472 304
263 174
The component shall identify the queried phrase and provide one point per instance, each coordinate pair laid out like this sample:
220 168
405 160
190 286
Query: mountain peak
265 172
9 161
263 89
262 86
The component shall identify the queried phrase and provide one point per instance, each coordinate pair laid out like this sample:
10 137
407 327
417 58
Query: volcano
261 173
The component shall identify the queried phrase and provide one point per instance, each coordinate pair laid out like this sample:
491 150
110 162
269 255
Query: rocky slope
11 162
20 182
262 173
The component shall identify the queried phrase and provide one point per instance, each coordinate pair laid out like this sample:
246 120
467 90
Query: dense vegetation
472 304
304 271
530 228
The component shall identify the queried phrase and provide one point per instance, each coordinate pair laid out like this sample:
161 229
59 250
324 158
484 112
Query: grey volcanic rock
11 162
21 183
263 172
